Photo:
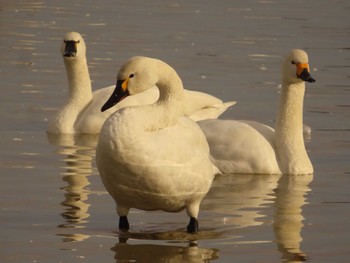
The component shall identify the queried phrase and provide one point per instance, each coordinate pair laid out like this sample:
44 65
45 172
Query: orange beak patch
301 67
125 84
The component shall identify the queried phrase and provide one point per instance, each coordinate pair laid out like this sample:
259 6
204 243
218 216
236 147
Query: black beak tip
309 79
103 108
305 76
69 54
118 95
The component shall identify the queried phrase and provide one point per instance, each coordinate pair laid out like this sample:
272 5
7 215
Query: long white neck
80 92
289 141
169 107
79 96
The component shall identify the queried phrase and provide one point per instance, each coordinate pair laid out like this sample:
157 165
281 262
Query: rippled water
53 205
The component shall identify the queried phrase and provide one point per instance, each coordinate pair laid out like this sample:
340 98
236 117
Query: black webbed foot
192 227
123 223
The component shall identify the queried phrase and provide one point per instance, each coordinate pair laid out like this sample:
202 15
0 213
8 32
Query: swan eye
293 62
131 75
78 41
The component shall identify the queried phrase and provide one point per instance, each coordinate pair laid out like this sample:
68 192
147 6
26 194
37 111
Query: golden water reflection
77 155
288 219
234 202
239 201
125 252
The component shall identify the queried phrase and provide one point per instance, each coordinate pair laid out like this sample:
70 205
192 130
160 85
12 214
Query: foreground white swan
81 113
254 148
149 156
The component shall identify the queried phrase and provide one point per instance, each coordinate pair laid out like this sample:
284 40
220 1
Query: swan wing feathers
201 106
239 147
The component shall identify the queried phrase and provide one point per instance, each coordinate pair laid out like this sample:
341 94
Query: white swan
81 113
254 148
151 157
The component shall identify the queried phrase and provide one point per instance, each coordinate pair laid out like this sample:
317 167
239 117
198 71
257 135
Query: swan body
151 157
82 115
253 148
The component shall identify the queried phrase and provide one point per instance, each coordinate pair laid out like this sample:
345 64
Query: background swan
81 113
150 157
254 148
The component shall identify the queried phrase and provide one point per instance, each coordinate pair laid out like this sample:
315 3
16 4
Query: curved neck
169 107
289 140
80 92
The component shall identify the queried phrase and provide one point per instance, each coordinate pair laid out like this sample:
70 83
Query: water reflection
239 200
290 197
78 153
234 202
125 252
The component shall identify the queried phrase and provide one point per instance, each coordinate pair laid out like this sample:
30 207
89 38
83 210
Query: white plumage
151 157
254 148
82 115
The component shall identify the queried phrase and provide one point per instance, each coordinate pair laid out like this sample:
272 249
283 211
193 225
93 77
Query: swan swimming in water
151 157
253 148
82 115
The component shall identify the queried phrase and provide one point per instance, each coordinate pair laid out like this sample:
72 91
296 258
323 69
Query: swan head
135 76
73 46
296 67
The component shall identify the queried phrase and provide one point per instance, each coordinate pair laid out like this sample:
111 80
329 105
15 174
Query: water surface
53 205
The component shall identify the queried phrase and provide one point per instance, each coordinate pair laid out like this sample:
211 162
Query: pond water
54 207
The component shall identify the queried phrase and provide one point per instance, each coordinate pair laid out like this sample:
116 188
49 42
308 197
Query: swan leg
123 219
192 227
192 210
123 223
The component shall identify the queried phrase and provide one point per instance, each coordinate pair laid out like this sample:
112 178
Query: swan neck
290 113
78 81
169 107
289 140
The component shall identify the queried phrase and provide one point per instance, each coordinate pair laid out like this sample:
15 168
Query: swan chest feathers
153 169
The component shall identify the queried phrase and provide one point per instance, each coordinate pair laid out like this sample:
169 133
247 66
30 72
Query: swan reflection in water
239 199
77 154
239 202
234 202
189 252
288 219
